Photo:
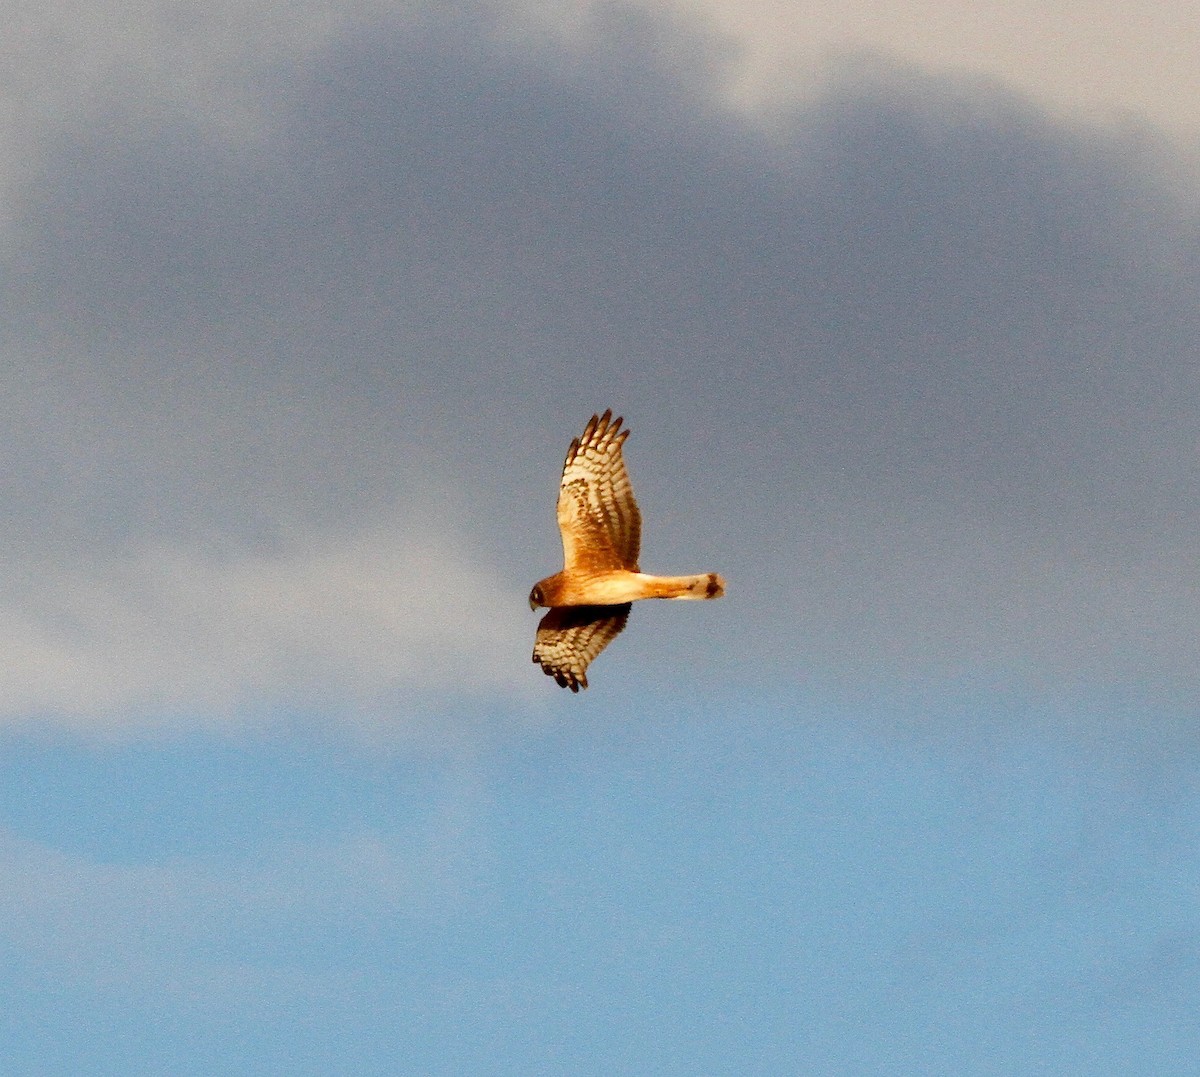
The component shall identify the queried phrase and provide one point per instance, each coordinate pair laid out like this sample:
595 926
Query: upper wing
597 515
569 637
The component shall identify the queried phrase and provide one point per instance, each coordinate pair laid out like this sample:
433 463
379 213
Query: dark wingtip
600 428
564 678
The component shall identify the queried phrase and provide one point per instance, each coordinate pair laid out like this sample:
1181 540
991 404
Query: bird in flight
601 531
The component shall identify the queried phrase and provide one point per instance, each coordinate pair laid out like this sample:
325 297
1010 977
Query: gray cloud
917 375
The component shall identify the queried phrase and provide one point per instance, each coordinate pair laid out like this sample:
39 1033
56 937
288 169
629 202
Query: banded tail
704 585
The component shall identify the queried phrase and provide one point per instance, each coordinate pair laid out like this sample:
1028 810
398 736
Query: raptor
601 527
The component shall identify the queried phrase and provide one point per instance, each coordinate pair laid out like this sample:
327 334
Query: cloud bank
915 370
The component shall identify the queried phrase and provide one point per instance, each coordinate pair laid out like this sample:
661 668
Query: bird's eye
537 594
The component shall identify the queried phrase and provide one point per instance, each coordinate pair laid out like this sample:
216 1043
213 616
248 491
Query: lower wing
569 638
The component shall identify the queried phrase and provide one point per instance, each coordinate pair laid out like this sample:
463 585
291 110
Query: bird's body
600 524
619 585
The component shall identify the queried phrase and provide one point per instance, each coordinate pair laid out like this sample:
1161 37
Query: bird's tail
705 585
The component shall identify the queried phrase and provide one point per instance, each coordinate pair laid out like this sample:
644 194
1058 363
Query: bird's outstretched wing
597 515
569 637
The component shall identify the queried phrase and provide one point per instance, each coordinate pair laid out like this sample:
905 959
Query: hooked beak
532 605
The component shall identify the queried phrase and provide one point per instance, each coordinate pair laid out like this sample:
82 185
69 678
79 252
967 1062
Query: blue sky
700 889
301 311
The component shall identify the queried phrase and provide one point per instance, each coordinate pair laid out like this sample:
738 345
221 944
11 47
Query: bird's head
536 598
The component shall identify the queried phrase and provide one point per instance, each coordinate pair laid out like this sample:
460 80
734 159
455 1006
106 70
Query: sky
301 309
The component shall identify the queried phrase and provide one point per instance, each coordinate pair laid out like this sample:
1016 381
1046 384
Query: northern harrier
601 529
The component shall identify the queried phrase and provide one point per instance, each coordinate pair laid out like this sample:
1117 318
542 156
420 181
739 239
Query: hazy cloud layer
918 374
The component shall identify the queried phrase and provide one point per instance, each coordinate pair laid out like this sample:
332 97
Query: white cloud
1102 60
353 621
